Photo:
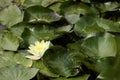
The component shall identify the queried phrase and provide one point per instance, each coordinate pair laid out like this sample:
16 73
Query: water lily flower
37 51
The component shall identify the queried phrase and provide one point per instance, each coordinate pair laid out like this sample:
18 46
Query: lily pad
9 42
38 14
102 46
10 58
58 60
43 69
83 77
11 16
17 73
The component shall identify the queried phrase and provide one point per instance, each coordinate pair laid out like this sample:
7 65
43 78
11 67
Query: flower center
39 48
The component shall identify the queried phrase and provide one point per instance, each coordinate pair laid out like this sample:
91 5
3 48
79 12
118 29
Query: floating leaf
28 37
107 46
43 69
72 18
83 77
107 6
44 32
58 61
10 58
87 25
18 29
64 29
72 12
17 73
108 25
20 59
56 7
6 59
38 14
112 72
0 41
87 1
75 8
29 3
104 46
46 3
5 3
11 16
105 65
9 42
76 52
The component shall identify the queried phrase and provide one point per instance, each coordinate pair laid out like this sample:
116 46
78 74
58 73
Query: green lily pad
58 60
17 73
9 42
102 46
5 3
46 3
44 32
39 14
11 16
29 3
83 77
43 69
10 58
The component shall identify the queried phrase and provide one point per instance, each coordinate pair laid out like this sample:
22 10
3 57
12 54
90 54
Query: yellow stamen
39 47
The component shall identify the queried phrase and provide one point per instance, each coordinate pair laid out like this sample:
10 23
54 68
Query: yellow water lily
37 51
